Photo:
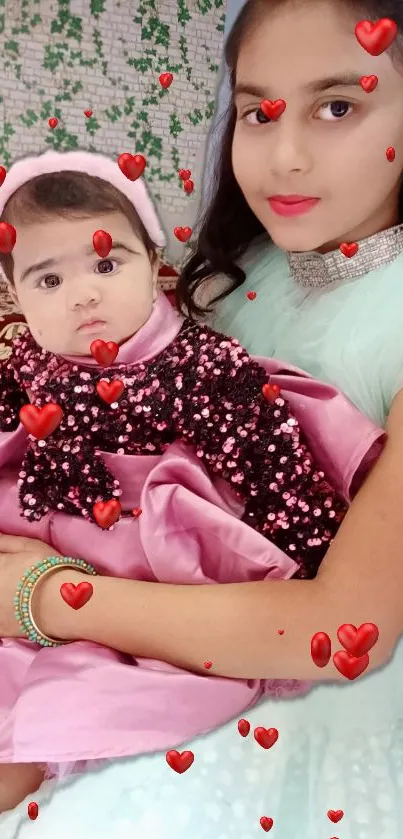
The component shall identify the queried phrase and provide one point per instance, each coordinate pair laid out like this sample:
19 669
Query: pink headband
92 164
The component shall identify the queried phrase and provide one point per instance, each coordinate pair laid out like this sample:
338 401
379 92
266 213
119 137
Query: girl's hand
17 554
394 423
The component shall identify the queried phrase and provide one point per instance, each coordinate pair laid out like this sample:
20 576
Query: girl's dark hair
228 225
67 194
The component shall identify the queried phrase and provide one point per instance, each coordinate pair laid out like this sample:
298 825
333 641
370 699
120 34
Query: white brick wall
118 32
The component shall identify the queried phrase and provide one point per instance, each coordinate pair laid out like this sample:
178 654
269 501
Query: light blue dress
341 746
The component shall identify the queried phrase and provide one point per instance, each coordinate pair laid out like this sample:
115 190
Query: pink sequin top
203 389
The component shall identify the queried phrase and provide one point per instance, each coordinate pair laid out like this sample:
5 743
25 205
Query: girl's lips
291 205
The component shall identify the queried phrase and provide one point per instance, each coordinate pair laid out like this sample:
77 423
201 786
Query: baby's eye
50 281
105 266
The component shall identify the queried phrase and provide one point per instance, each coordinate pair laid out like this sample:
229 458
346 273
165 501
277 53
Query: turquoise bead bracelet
27 586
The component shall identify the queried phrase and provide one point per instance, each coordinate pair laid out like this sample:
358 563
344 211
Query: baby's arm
257 445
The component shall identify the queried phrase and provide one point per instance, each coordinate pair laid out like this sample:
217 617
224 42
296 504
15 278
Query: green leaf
12 47
61 140
114 113
29 118
97 7
175 127
92 125
54 56
129 105
204 6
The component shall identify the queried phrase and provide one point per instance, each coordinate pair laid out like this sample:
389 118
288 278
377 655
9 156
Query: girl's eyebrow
342 80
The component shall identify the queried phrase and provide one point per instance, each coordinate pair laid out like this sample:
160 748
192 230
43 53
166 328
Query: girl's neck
316 269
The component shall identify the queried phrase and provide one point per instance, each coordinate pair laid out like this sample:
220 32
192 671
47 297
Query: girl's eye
333 111
259 115
106 266
50 281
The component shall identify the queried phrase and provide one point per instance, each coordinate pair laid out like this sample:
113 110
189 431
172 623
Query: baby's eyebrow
51 263
115 246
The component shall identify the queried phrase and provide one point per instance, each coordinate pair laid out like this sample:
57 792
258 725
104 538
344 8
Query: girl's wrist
53 616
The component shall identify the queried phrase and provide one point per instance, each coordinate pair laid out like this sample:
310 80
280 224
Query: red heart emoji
270 392
188 186
53 122
136 512
267 823
349 249
179 761
376 37
335 815
3 173
8 237
76 596
321 649
110 391
106 513
251 295
102 242
359 641
40 422
88 113
369 83
184 174
243 727
280 632
33 810
104 352
183 234
208 665
132 165
390 154
273 110
166 80
349 666
266 737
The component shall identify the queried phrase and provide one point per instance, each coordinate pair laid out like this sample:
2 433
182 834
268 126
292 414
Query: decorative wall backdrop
60 58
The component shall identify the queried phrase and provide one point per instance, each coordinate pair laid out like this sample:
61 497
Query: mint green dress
340 747
349 334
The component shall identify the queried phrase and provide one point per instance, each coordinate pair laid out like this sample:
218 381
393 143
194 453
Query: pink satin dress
83 702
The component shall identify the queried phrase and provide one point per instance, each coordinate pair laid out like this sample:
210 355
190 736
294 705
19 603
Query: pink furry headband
92 164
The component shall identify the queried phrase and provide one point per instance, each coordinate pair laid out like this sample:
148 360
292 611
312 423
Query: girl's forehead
303 44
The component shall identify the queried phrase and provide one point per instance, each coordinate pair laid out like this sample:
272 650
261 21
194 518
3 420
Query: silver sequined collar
318 270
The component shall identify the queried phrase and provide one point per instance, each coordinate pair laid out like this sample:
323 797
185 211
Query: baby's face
69 295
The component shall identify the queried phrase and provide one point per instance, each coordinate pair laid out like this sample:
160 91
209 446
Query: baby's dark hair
69 195
228 225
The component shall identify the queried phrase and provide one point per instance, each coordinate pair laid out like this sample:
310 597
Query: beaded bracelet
26 588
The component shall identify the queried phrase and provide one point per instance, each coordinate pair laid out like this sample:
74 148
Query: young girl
338 316
122 462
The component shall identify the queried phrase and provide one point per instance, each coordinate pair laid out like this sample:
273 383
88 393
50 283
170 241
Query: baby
174 457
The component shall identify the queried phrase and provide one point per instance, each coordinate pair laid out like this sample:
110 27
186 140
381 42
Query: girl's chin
289 241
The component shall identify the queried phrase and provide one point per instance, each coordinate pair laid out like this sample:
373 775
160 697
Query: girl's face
69 295
330 143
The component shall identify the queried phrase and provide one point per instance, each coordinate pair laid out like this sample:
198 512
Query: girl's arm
235 625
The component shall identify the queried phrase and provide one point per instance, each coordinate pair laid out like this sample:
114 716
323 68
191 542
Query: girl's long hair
228 225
